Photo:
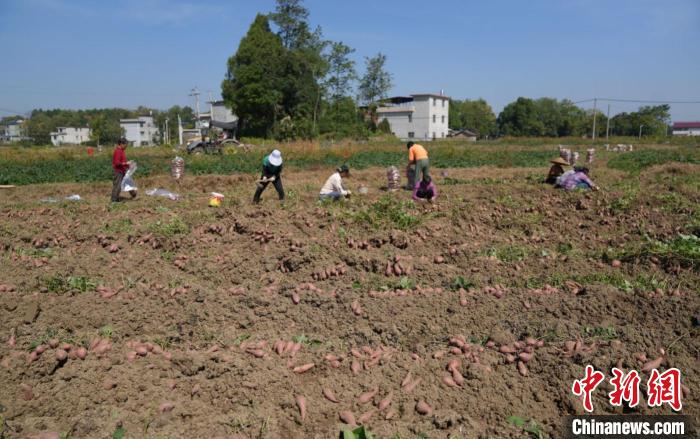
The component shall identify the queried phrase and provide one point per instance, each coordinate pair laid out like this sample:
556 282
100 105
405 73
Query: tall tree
341 71
376 82
475 115
291 17
519 118
253 83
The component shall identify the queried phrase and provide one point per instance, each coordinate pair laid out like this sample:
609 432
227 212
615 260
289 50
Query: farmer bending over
120 166
556 170
333 188
578 180
271 172
425 190
418 159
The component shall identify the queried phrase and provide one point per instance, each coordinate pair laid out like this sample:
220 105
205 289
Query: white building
140 131
686 129
12 131
70 136
419 116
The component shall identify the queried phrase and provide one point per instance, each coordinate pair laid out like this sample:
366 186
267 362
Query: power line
638 101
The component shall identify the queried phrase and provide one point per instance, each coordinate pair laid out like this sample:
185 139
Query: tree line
104 122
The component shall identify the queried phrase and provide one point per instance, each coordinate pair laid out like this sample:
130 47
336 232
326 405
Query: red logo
626 388
665 388
587 385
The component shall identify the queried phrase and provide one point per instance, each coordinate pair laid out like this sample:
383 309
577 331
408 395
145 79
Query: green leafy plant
358 433
461 282
119 433
602 332
171 228
531 427
82 284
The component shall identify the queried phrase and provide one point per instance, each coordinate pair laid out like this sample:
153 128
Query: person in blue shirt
271 173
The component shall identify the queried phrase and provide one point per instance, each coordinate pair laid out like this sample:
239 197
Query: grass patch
531 427
388 212
508 253
641 159
59 284
683 250
601 332
170 228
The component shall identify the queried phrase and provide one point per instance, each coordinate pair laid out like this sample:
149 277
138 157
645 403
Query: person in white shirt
333 188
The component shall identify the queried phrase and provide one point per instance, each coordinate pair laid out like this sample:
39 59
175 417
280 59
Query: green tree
519 118
105 130
376 82
475 115
252 87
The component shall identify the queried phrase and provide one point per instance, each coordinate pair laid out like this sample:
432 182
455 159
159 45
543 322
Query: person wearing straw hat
271 173
333 188
556 170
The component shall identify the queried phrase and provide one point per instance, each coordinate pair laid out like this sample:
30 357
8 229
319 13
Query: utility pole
179 128
167 132
640 131
595 101
195 92
607 127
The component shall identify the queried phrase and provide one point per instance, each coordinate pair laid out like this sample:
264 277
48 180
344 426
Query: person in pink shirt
425 190
578 180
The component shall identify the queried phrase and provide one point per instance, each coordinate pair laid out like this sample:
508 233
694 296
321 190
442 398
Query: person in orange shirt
418 159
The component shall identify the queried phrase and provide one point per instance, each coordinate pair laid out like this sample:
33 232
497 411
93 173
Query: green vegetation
683 250
636 161
507 253
601 332
531 427
461 282
168 229
388 212
59 284
358 433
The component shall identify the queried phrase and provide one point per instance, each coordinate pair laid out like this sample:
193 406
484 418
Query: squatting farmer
120 166
556 170
333 188
418 160
271 173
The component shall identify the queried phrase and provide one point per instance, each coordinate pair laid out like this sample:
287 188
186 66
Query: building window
443 119
443 103
434 118
410 118
434 102
411 134
433 135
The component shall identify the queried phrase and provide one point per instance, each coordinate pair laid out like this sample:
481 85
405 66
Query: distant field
23 166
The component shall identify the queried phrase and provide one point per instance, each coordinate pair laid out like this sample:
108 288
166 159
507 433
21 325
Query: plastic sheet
128 183
163 193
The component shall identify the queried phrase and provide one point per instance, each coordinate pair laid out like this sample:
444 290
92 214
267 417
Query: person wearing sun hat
271 173
556 170
333 188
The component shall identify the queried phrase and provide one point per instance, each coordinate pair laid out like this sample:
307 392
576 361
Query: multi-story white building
419 116
12 131
686 129
70 136
140 131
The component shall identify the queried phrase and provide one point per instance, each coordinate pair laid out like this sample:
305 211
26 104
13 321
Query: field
188 321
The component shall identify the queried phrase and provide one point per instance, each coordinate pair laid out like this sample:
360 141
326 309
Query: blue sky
125 53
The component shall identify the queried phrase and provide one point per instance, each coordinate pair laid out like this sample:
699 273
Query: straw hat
559 161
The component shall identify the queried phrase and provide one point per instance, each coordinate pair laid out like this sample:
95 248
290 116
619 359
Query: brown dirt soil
214 290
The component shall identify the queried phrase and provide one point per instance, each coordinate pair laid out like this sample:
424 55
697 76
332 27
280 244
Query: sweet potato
386 402
40 349
53 343
365 417
27 391
412 385
390 414
166 407
109 384
525 357
506 349
347 417
355 367
301 403
457 377
295 298
522 369
653 364
448 381
303 368
406 380
423 408
453 364
366 397
61 355
141 351
329 395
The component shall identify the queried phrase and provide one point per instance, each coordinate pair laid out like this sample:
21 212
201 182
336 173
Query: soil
190 301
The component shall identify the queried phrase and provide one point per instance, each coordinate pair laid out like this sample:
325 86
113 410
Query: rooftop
680 125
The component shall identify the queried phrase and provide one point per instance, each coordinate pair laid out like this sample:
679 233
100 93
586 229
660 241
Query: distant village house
140 131
686 129
70 136
418 116
12 131
463 134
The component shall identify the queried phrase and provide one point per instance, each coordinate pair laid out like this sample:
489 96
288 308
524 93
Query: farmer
120 166
418 160
578 180
333 188
425 190
271 172
556 170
